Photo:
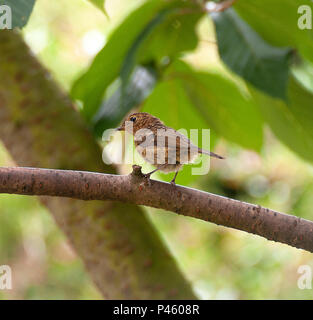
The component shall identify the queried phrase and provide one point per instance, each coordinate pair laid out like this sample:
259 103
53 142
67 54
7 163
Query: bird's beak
119 129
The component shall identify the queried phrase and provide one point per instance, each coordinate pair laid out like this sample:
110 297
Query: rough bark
40 128
136 189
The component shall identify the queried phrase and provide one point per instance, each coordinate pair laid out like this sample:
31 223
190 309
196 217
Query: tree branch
212 6
136 189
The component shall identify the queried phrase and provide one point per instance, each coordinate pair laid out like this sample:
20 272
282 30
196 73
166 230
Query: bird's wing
179 148
148 148
167 146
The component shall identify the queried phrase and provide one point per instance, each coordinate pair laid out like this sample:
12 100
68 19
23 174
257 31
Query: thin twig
209 7
218 6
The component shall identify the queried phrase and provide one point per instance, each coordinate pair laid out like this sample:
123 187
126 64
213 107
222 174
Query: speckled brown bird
162 146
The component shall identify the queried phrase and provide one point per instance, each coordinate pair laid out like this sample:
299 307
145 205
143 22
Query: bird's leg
173 180
147 175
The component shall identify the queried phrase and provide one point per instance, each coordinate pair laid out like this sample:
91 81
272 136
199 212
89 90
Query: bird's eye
133 119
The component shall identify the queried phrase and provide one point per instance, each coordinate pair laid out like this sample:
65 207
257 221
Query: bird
159 145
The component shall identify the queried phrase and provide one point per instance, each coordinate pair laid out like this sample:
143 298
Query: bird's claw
147 177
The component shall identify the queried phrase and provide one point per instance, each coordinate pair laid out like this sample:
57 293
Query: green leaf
291 122
131 58
248 55
277 22
303 72
170 102
207 100
90 87
177 34
21 11
170 27
99 4
125 48
175 30
172 105
114 109
196 100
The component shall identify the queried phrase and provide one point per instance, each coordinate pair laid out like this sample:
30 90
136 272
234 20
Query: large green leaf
124 48
187 99
21 10
90 87
172 105
177 34
303 72
174 30
170 102
114 108
207 100
291 122
247 54
99 4
132 56
277 22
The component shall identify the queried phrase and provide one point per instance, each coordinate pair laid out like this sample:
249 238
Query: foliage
243 50
230 115
277 23
160 32
107 65
259 63
22 9
99 4
171 85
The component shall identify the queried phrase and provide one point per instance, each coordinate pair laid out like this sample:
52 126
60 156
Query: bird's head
139 120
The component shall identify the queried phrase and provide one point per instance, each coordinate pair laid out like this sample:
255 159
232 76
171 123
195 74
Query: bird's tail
212 154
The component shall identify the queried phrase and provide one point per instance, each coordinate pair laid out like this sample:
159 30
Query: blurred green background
221 263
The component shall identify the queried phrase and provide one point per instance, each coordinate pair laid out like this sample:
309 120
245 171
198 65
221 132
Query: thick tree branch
136 189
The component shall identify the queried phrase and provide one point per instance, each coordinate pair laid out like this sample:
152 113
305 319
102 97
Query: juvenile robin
162 146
